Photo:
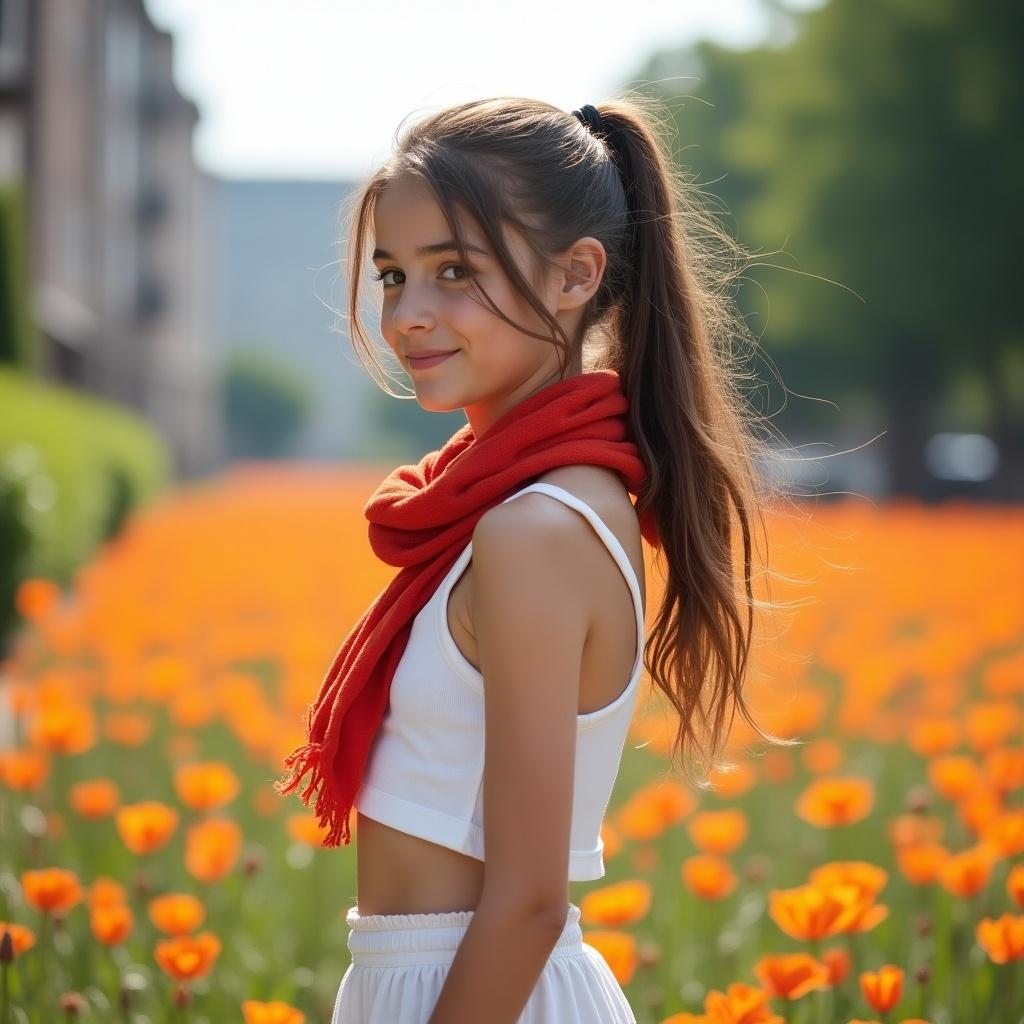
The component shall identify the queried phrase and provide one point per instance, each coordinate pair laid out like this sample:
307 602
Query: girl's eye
451 266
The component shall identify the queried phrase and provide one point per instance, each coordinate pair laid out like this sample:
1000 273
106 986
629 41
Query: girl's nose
412 311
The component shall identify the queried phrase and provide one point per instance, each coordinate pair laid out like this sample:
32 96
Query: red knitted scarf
421 517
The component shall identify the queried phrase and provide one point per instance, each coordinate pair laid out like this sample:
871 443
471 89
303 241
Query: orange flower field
149 871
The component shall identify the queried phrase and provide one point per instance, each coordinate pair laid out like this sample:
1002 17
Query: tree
877 148
266 403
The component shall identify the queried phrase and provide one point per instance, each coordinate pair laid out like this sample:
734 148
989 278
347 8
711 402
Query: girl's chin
435 403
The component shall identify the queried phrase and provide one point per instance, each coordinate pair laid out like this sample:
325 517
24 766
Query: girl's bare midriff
398 873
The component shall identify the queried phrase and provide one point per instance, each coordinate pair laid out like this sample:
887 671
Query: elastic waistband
383 940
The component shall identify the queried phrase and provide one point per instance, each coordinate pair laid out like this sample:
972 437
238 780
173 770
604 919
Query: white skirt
400 961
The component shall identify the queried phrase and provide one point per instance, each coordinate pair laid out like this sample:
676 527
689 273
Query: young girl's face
428 303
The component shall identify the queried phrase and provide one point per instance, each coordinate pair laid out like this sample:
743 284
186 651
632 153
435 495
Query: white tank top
425 770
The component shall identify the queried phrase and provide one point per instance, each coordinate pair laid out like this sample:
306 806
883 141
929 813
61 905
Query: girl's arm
531 621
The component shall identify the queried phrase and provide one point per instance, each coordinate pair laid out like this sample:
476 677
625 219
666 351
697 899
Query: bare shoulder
534 522
600 488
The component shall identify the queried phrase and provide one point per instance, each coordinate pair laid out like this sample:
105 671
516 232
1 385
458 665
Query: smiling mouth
428 361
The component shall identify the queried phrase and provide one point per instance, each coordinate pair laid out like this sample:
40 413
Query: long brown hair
663 317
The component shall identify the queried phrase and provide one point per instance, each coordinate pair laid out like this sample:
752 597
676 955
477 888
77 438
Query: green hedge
19 336
72 468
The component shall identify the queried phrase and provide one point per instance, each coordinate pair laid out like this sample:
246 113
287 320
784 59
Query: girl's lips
423 364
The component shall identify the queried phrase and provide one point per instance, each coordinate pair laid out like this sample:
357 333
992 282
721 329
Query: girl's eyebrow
432 250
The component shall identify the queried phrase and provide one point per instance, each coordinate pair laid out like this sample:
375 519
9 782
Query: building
118 212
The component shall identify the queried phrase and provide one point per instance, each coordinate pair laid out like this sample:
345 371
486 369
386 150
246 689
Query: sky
317 89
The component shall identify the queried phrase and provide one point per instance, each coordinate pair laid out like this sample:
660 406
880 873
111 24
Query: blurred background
170 231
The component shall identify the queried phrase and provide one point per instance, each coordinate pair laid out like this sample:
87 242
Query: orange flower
838 961
614 906
911 829
24 770
931 737
105 891
22 938
710 878
1004 834
206 785
921 863
127 728
176 913
147 826
618 950
652 809
193 706
95 798
1004 768
966 873
274 1012
211 849
823 755
791 975
868 877
1015 884
36 597
882 988
1002 937
809 912
164 675
304 828
836 801
718 831
51 890
954 776
734 783
992 722
980 807
186 957
68 727
111 923
739 1004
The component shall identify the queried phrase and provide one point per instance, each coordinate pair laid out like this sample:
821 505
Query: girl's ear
584 267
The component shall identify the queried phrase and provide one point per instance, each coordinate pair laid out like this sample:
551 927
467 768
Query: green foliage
869 160
266 404
71 468
15 536
18 335
403 431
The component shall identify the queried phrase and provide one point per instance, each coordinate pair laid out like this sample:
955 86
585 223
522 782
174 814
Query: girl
534 274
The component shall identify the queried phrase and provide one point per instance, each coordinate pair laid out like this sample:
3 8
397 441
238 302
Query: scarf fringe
331 810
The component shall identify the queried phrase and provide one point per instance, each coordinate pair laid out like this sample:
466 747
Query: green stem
941 959
115 993
826 997
7 998
1009 988
46 940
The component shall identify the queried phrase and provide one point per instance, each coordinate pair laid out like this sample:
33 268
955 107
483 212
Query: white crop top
425 770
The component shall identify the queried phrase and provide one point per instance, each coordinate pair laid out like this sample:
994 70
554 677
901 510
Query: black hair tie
590 117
